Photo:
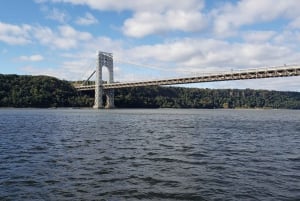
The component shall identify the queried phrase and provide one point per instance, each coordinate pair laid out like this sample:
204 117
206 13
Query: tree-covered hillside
178 97
37 91
44 91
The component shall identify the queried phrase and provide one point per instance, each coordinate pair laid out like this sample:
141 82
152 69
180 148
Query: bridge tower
104 59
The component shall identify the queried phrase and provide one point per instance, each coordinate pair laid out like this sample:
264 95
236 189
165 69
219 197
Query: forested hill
44 91
179 97
36 91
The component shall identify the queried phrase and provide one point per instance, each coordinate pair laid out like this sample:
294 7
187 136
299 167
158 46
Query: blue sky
151 39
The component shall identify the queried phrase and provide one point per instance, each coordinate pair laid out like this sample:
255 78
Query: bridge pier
110 99
104 60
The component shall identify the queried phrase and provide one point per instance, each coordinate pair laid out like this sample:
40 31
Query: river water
153 154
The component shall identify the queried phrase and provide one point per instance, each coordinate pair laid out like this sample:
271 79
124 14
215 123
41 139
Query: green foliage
178 97
37 91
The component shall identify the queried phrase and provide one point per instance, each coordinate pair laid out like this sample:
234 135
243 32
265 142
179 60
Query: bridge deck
285 71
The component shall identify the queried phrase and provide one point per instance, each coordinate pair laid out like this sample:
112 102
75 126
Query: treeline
44 91
178 97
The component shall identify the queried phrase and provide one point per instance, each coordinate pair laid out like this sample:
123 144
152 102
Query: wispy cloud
58 15
229 18
149 17
66 37
88 19
32 58
258 36
15 34
147 23
136 6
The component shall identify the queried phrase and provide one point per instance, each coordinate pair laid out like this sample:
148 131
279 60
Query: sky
151 39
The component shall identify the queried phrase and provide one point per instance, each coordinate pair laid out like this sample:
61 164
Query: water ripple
116 155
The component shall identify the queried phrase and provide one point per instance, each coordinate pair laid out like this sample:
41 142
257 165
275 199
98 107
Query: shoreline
132 108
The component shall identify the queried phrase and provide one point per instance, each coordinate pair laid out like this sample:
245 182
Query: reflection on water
149 154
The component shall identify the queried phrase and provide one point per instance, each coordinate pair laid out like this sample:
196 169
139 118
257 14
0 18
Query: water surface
160 154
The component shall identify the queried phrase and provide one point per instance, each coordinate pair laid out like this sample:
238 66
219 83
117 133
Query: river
151 154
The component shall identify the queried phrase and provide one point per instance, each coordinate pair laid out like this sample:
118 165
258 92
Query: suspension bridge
106 60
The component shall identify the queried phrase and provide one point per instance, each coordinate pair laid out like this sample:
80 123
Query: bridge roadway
283 71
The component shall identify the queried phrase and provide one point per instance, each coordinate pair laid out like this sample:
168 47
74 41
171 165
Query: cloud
66 37
88 19
40 1
230 17
288 38
15 34
167 52
149 17
145 5
57 15
197 55
32 58
258 36
146 23
295 24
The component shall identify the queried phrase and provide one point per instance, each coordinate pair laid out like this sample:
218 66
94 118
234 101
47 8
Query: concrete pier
104 59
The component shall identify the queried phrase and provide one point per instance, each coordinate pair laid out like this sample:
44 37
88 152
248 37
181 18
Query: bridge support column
104 60
98 86
110 99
